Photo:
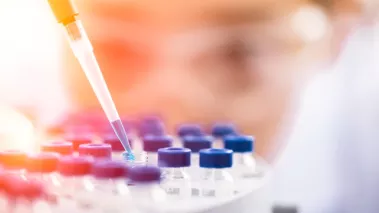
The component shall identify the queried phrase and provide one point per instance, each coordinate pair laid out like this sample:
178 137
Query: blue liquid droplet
128 156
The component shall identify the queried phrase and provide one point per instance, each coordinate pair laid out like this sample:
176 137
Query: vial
3 197
244 166
13 161
174 162
59 147
74 177
42 167
24 196
145 190
78 139
117 147
151 144
108 185
195 144
189 130
216 182
220 130
96 151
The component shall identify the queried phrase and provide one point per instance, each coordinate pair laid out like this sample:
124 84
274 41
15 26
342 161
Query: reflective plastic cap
60 147
96 150
151 143
109 169
144 174
115 143
174 157
197 143
78 140
44 162
74 166
13 159
216 158
20 188
223 129
151 125
189 129
239 143
151 129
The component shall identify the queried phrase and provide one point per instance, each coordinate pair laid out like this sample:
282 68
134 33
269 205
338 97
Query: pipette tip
128 156
122 136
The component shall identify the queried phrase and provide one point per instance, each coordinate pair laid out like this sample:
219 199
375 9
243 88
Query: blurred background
331 129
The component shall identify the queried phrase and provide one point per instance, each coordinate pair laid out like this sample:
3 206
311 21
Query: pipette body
83 51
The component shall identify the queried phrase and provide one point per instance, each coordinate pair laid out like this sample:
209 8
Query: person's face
204 61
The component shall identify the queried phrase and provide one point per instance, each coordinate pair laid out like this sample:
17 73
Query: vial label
195 192
209 193
251 175
173 191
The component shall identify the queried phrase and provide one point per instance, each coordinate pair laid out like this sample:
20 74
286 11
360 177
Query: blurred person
242 61
330 164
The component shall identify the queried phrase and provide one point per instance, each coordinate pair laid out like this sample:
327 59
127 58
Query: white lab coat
332 163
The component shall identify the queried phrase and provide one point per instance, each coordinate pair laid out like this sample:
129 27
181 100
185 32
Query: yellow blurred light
16 131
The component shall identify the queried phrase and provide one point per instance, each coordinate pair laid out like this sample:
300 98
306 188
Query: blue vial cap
239 143
78 140
60 147
189 129
109 169
115 143
197 143
96 150
144 174
223 129
174 157
216 158
151 143
75 166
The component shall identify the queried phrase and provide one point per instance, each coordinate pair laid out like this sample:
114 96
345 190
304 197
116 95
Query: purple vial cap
78 140
223 129
174 157
151 143
44 162
197 143
189 129
109 169
144 174
96 150
115 143
75 166
13 159
60 147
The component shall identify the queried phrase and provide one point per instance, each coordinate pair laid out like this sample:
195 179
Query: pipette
67 15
